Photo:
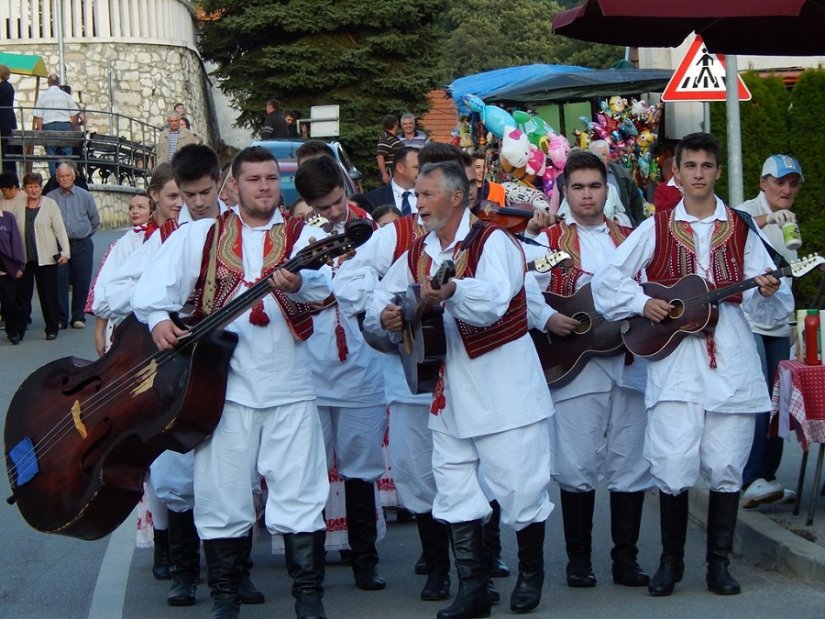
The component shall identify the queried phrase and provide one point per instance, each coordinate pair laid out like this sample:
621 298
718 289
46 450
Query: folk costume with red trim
225 254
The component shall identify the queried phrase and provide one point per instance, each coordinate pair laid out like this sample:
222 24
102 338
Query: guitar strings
97 401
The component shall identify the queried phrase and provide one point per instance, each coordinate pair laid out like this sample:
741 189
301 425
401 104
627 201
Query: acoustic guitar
563 357
693 310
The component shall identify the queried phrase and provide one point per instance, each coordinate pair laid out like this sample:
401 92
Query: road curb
766 543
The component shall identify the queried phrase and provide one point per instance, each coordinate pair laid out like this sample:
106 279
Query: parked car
284 151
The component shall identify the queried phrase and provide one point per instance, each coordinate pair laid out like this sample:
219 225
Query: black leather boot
225 560
492 544
625 520
160 563
249 592
435 544
577 514
184 558
722 512
527 593
471 601
361 529
673 517
305 564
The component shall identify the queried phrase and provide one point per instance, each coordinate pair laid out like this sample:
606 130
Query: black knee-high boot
577 514
435 543
625 521
225 561
184 558
527 593
362 533
160 562
673 518
249 592
305 564
722 512
472 600
492 543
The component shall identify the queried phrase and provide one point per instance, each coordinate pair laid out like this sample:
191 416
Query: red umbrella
759 27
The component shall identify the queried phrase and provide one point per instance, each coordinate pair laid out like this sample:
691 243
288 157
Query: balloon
515 147
535 127
536 162
559 147
493 117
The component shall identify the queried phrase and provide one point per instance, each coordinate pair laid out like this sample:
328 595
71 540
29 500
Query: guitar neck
714 296
240 304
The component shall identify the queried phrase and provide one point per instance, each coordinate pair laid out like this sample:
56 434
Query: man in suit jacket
400 191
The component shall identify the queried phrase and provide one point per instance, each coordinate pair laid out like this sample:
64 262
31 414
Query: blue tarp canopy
538 83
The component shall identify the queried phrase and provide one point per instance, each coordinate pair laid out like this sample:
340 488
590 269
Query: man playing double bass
491 405
600 420
701 398
270 423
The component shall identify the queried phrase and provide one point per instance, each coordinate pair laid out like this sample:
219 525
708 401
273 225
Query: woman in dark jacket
12 260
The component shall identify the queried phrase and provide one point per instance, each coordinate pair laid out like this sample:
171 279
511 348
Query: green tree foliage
490 34
806 134
764 128
371 57
776 121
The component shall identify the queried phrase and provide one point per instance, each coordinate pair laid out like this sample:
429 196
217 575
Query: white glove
781 217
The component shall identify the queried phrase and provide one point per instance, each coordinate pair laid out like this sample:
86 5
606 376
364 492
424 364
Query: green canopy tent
24 64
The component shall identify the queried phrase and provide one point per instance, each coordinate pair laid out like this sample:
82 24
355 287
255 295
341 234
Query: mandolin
80 435
423 345
693 310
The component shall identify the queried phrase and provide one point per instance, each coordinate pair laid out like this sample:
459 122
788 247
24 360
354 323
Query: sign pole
706 117
735 185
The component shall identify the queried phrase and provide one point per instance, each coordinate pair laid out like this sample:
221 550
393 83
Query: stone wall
147 80
113 204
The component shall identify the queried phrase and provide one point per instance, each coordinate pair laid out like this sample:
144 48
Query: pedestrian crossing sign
701 77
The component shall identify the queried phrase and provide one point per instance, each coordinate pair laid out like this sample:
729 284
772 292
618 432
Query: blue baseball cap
781 165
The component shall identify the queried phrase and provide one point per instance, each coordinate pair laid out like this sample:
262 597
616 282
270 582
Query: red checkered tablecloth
799 402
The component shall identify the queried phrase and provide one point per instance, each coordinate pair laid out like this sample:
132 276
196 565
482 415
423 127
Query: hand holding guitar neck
433 292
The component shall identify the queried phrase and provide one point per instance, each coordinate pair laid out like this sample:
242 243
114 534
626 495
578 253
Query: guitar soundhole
677 308
584 323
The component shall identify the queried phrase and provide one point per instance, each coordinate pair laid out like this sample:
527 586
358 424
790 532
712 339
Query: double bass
80 435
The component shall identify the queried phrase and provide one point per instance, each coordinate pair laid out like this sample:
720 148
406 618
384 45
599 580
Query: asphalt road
52 576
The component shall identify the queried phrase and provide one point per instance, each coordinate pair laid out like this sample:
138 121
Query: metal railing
108 148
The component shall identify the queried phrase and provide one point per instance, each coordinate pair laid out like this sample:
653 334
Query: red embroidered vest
561 237
477 340
407 230
167 228
229 273
675 253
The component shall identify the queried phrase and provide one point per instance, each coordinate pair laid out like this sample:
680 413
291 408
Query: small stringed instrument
80 435
563 357
383 343
423 348
693 310
423 345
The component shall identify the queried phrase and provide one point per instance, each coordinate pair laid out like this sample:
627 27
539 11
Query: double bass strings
97 402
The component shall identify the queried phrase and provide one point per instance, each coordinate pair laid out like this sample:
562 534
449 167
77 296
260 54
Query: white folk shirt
502 389
269 366
596 247
125 246
119 284
356 280
773 233
735 385
357 382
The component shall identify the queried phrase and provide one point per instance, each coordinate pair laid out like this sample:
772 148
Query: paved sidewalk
770 535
